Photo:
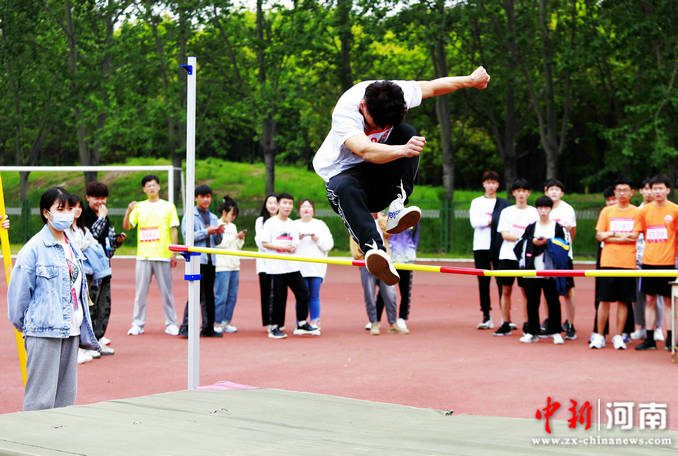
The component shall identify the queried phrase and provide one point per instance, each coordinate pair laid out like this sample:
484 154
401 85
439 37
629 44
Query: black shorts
506 265
611 289
569 281
656 285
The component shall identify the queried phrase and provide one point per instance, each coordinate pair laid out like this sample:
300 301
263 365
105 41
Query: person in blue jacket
47 302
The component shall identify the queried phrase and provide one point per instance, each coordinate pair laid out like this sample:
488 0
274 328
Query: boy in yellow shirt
156 221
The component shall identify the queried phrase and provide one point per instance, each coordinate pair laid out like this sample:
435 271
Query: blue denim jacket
200 233
96 263
39 293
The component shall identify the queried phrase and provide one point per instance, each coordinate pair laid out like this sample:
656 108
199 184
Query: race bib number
149 234
517 230
657 233
622 225
380 136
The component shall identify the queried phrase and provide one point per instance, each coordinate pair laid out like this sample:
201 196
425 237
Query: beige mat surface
269 421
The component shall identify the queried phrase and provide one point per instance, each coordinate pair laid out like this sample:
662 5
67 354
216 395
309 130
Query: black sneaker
667 346
276 333
525 329
183 332
210 333
566 325
306 328
570 333
504 330
647 345
544 325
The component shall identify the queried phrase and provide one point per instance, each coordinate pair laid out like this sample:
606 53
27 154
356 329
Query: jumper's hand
414 146
479 78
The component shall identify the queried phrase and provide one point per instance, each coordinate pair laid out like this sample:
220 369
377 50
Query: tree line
581 90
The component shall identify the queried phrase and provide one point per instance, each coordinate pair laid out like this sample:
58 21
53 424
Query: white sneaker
401 323
106 350
638 334
597 341
558 339
618 342
513 325
658 334
83 356
218 328
94 354
368 326
487 324
529 338
171 330
380 266
135 330
230 329
104 340
401 218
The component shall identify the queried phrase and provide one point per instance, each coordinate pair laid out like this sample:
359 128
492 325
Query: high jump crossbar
442 269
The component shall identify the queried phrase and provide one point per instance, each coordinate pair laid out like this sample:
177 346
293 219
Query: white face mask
61 221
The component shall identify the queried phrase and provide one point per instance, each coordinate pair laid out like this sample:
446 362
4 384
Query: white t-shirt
280 232
333 157
564 214
515 221
309 248
75 284
229 241
547 232
479 214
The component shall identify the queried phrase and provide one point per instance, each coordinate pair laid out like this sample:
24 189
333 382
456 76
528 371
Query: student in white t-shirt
484 216
281 236
564 214
512 223
370 158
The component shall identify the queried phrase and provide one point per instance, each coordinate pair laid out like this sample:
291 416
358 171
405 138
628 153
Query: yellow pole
7 259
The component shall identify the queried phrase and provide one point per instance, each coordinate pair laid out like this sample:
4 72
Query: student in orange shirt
618 227
659 223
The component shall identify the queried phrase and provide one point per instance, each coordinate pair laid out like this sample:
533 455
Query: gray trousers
388 294
52 372
144 271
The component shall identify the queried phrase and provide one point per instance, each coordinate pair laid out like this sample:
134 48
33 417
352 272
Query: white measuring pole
192 266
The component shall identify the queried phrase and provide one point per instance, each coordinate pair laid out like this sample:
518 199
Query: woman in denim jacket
47 302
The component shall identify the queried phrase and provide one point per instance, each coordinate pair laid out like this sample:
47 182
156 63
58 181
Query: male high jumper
370 158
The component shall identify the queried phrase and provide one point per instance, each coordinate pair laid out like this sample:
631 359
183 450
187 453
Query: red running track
445 363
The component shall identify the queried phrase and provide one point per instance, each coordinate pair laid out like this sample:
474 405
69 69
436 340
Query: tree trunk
345 37
268 147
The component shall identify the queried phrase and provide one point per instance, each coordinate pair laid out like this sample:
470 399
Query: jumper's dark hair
623 180
645 182
543 201
96 189
284 195
554 183
148 178
264 212
58 194
309 202
74 199
385 102
661 179
227 204
608 192
520 183
203 190
491 175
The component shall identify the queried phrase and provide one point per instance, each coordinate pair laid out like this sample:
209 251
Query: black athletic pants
533 288
405 286
370 187
483 260
296 283
207 275
100 312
